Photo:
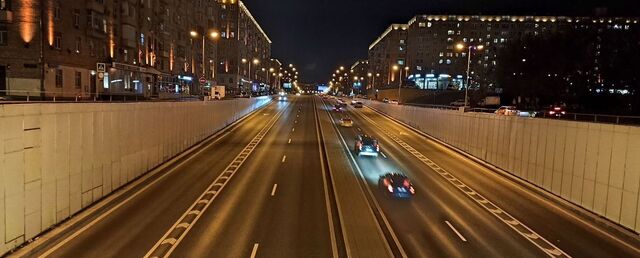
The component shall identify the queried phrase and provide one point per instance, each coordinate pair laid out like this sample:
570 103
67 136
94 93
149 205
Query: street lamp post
213 35
470 48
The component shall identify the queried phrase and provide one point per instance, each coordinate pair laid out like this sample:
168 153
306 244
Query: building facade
138 48
387 51
434 61
244 49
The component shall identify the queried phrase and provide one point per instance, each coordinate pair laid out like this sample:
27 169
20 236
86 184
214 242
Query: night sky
319 35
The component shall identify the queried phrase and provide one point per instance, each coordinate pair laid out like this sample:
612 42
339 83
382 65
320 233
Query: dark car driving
396 185
366 146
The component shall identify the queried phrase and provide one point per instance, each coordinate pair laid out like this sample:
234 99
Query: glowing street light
470 48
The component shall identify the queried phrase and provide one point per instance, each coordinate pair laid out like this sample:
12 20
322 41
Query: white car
507 111
353 102
346 122
394 101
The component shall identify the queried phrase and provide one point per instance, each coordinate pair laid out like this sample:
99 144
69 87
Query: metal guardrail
22 96
581 117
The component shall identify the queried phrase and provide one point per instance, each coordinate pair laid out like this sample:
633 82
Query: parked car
385 100
394 101
507 111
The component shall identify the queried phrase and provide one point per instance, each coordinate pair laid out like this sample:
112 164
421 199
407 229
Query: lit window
57 41
78 80
4 5
429 24
450 32
448 61
76 18
59 78
401 61
422 25
78 44
3 35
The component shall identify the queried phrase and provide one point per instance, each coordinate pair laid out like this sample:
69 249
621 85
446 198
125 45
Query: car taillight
406 183
390 188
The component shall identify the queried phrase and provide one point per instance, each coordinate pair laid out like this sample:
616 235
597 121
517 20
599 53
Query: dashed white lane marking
206 198
295 122
284 158
289 141
382 153
543 244
359 129
254 252
293 129
273 190
456 231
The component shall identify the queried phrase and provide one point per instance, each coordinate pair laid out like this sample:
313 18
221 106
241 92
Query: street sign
101 67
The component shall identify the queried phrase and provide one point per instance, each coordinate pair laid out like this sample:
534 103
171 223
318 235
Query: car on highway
366 146
385 100
353 102
282 96
358 105
556 111
396 185
342 103
507 111
337 108
346 122
394 102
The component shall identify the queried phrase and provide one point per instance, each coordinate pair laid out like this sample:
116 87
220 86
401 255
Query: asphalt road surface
277 184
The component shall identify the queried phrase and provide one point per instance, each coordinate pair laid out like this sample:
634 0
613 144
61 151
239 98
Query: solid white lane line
332 233
273 190
375 202
135 184
254 252
231 169
456 231
385 156
289 141
489 206
284 158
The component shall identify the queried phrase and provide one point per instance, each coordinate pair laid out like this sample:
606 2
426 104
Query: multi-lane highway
285 182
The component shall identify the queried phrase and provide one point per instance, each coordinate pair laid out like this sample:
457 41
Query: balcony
6 16
95 6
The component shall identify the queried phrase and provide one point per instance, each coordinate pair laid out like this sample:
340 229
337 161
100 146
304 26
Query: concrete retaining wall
56 159
596 166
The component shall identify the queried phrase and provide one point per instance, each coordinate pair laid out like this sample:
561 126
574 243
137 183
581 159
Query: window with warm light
3 35
5 5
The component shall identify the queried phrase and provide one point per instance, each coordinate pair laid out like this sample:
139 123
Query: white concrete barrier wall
596 166
56 159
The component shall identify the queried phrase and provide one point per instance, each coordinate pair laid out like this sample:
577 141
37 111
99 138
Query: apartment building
244 50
